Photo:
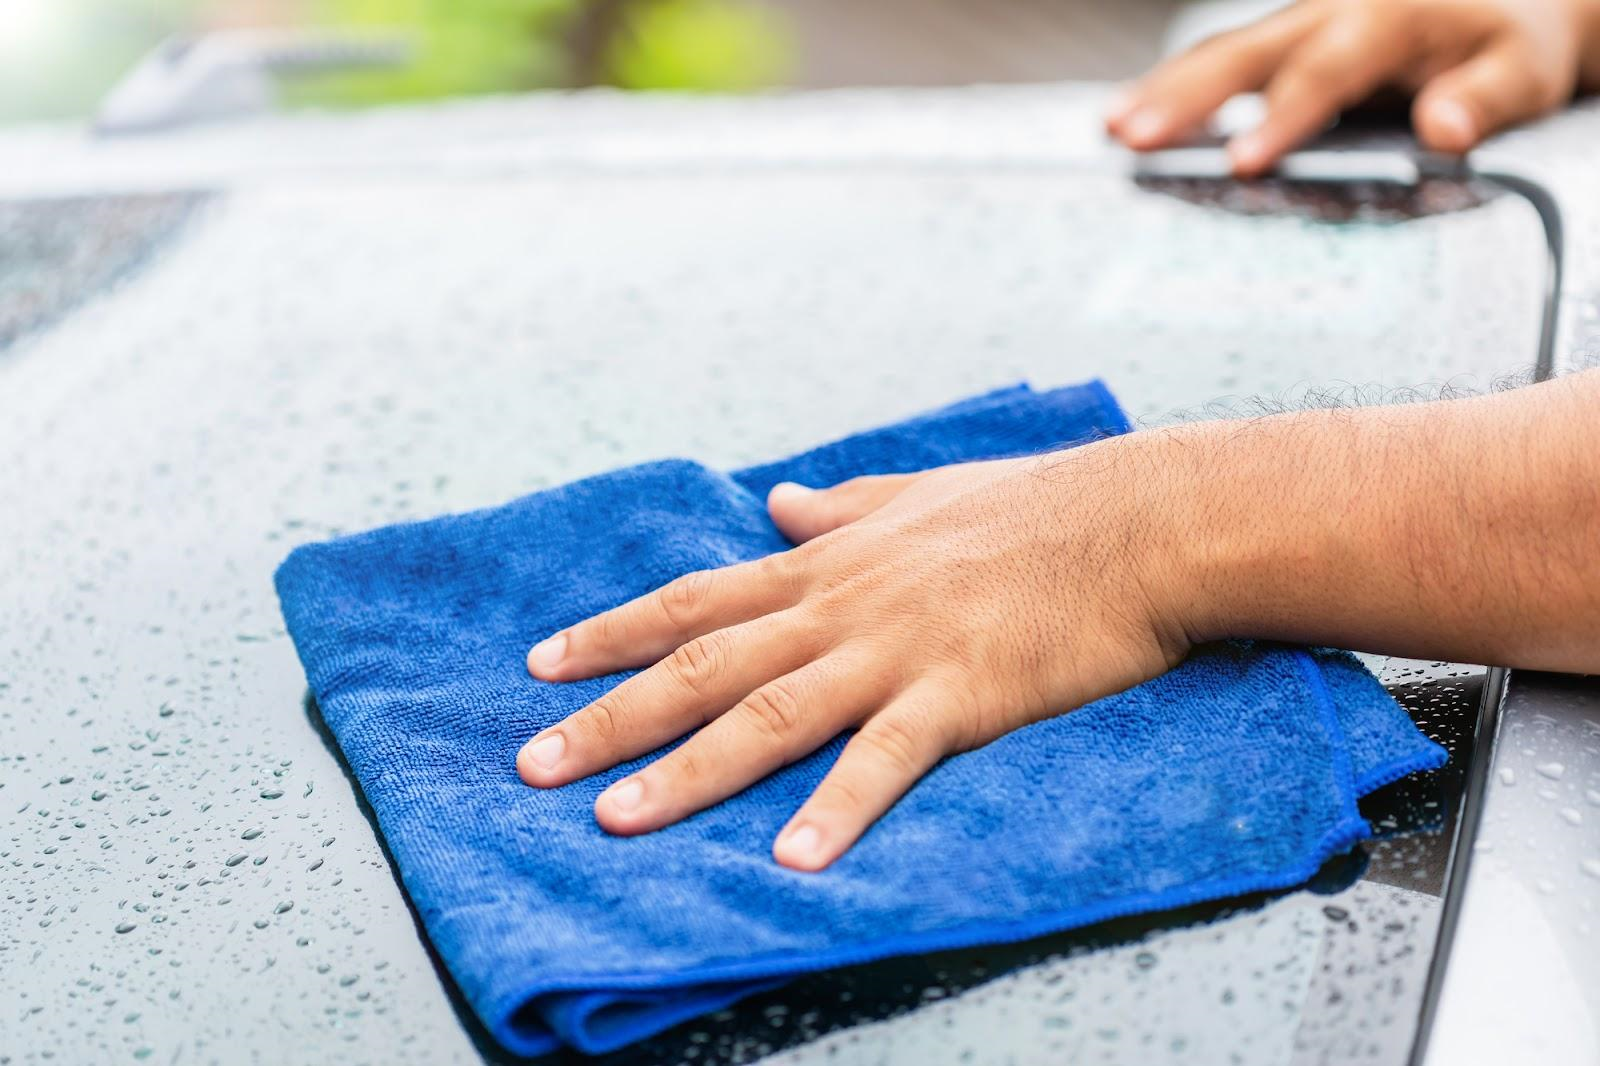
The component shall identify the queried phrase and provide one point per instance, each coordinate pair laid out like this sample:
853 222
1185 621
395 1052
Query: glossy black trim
1469 816
1390 167
1486 735
1555 242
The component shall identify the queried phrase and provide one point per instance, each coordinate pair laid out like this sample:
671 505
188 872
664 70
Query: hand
1473 66
931 613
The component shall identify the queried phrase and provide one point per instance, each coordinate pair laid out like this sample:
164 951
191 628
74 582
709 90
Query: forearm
1589 48
1465 530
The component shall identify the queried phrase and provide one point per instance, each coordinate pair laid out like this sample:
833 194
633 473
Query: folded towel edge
1350 829
1345 834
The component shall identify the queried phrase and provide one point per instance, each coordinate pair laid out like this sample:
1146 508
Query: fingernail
548 653
626 796
803 844
789 490
546 751
1455 119
1144 126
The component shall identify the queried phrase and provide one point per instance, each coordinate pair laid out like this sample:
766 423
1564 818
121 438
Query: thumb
802 513
1499 86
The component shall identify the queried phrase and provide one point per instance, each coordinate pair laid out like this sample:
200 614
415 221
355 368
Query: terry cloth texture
1237 772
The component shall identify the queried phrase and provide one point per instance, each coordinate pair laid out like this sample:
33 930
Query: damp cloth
1236 772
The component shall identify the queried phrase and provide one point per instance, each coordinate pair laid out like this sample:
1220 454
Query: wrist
1180 546
1197 548
1254 533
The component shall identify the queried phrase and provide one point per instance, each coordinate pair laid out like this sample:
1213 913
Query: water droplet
348 980
1552 770
1572 816
1144 960
250 834
1335 914
1590 867
126 927
236 859
97 795
315 866
271 793
1593 797
284 907
1508 776
260 923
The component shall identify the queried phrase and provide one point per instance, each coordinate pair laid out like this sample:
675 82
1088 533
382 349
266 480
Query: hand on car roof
1472 67
928 614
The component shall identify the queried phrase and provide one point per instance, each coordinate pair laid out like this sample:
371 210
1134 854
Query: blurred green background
59 57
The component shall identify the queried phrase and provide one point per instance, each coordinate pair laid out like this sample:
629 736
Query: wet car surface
287 352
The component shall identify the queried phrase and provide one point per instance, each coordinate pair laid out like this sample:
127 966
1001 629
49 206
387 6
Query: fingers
1339 65
879 765
697 682
802 514
783 720
1500 85
644 630
1180 94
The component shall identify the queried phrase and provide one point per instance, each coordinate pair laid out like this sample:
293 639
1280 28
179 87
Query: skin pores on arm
1466 530
932 613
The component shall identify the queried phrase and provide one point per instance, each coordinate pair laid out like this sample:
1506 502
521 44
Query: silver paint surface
363 319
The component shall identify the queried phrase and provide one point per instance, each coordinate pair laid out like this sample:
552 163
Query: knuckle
786 571
1225 42
1325 66
1354 26
809 630
1235 49
699 664
602 631
1334 64
775 709
856 488
957 718
684 599
686 767
1549 89
601 720
844 792
896 742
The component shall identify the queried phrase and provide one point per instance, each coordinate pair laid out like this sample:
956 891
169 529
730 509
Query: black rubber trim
1469 816
1474 794
1409 169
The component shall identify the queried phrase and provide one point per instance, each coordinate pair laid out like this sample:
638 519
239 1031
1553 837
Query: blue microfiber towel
1237 772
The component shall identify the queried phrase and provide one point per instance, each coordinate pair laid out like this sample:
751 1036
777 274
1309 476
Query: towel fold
1236 772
